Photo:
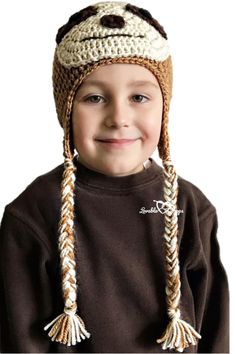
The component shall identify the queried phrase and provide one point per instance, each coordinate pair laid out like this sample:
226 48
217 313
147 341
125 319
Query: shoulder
193 199
45 186
39 203
197 222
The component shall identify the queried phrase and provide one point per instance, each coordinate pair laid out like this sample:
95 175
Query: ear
71 135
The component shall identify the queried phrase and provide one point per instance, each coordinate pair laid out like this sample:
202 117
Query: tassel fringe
68 328
178 335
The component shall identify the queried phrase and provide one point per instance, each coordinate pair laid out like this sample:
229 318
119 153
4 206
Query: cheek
151 126
83 128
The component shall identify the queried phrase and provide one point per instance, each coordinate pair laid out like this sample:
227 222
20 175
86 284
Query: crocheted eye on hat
102 34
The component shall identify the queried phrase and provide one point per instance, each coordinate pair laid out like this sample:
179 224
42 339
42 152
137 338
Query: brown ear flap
71 136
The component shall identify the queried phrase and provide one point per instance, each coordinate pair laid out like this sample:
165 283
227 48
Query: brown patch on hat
145 15
75 19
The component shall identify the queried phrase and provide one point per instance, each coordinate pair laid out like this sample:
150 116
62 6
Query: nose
112 21
118 115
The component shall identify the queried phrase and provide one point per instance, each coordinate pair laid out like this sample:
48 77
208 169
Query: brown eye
92 100
139 98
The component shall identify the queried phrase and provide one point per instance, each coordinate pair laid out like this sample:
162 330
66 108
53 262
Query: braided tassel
178 334
68 328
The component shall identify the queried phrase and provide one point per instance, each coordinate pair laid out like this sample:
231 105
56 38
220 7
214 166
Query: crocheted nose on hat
102 34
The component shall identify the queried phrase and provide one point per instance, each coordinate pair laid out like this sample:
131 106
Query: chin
123 170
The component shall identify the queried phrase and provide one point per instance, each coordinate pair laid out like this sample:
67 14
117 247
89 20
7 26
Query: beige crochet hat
102 34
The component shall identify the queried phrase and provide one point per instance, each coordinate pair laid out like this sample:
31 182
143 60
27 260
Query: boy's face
117 106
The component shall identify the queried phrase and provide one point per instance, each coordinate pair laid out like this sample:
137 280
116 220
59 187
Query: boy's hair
102 34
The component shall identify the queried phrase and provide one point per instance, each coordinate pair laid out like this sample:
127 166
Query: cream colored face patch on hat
112 32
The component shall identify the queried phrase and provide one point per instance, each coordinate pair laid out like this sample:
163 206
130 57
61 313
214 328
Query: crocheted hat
102 34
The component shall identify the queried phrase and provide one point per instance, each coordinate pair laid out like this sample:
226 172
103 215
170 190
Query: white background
202 117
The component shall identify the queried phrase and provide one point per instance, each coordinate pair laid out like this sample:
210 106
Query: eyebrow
131 83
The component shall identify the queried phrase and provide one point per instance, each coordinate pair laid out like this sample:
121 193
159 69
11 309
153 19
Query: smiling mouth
112 35
116 144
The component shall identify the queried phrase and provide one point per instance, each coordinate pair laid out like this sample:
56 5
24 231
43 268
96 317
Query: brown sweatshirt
120 264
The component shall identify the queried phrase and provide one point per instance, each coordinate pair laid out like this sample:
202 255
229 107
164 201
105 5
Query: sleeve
209 283
25 288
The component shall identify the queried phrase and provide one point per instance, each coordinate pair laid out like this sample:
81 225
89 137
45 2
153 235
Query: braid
178 334
68 327
66 238
66 224
170 193
170 239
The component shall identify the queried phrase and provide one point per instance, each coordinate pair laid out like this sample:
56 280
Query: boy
136 276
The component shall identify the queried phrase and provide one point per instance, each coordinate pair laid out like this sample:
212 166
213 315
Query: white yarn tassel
68 328
178 334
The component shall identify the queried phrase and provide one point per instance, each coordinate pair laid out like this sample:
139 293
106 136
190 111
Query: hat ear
75 19
146 15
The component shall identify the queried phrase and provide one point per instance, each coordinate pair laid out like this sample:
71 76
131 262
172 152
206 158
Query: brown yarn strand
69 328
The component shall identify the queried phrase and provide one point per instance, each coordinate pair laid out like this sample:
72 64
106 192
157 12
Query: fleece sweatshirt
119 227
